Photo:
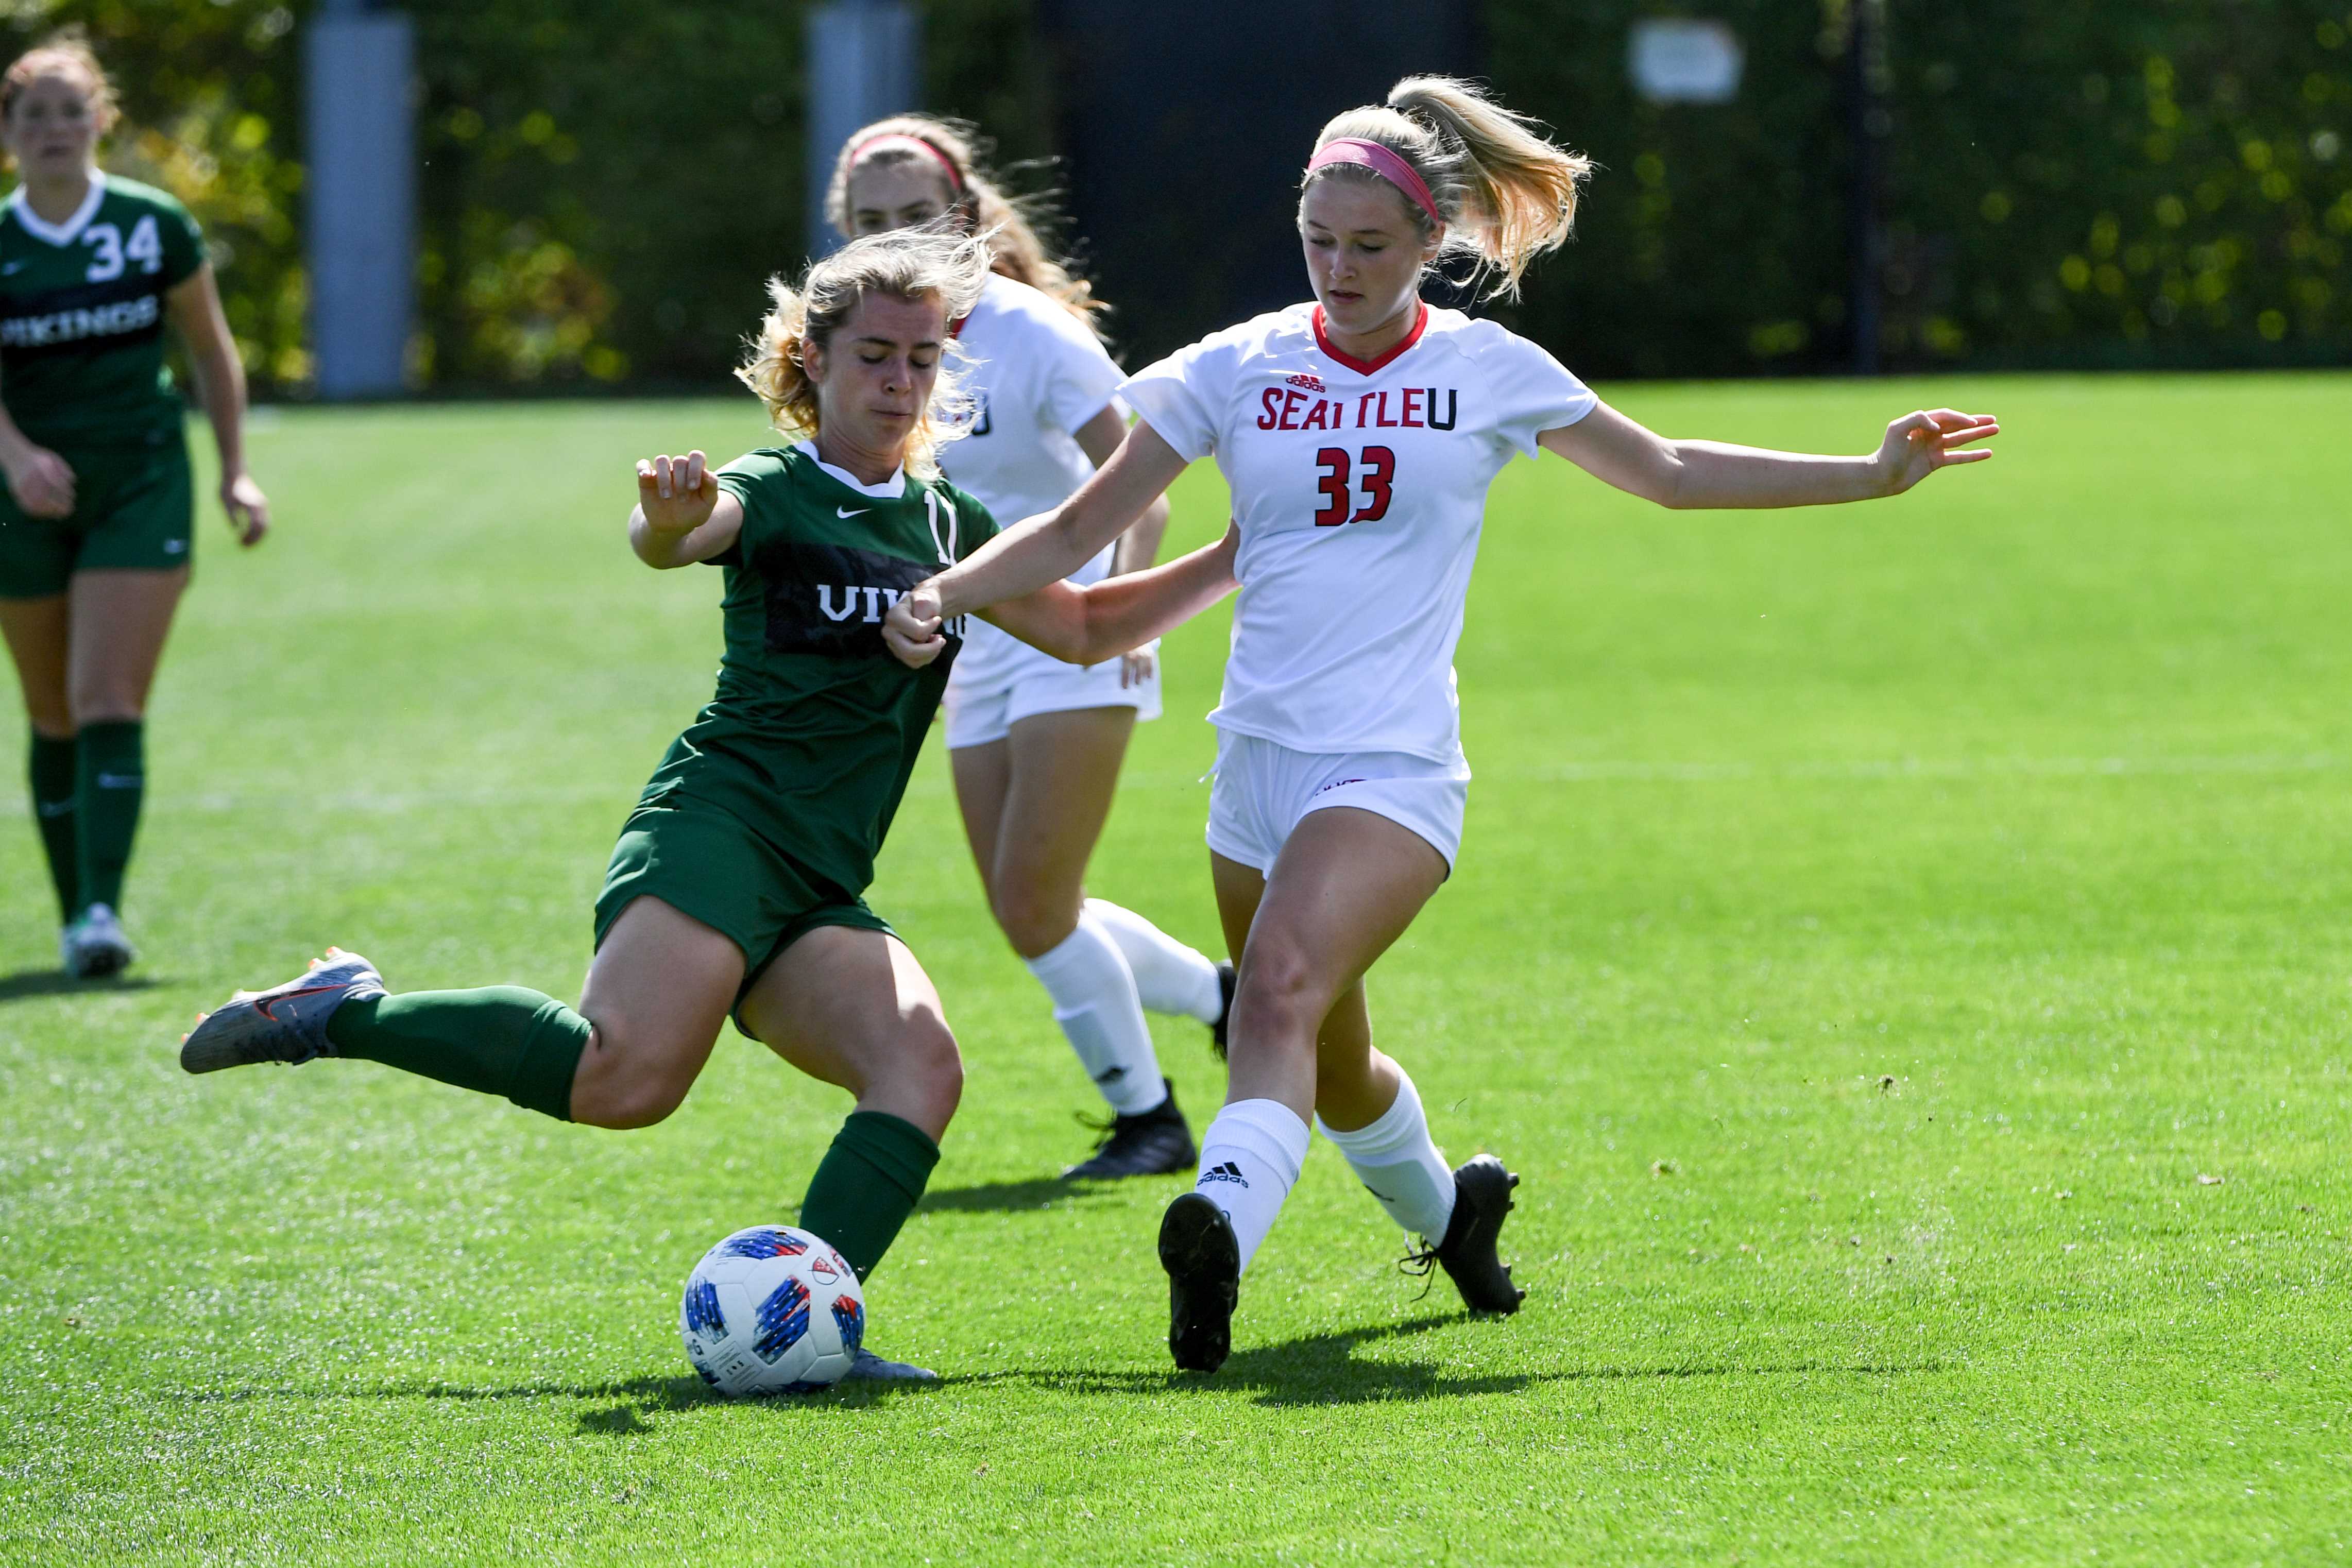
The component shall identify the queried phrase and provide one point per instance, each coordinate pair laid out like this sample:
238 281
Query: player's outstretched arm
1102 620
1619 451
1049 546
682 515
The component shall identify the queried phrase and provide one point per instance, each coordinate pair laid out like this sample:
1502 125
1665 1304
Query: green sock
52 772
109 782
867 1185
501 1040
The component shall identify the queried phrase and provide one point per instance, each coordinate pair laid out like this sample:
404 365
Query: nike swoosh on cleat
261 1003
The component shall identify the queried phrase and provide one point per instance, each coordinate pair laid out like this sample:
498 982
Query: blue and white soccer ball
772 1310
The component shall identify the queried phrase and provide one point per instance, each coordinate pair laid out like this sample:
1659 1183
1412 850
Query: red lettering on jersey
1412 420
1380 483
1332 487
1363 406
1290 402
1382 417
1319 416
1273 400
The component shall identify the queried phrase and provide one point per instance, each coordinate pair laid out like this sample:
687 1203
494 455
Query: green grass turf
1905 947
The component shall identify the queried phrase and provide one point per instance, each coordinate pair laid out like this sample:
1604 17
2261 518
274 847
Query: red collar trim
1369 366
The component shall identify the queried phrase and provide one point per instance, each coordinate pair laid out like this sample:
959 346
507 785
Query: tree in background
210 101
2118 183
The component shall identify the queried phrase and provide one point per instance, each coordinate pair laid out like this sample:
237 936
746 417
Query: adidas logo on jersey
1228 1171
1306 383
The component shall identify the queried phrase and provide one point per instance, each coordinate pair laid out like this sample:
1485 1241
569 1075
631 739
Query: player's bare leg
1034 806
852 1008
657 993
1347 885
118 623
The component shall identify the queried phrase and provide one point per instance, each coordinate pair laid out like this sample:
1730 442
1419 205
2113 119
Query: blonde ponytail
1507 196
1008 224
906 264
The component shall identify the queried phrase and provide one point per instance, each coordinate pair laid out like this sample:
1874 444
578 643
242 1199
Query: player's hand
1135 666
911 630
676 494
42 484
1919 444
247 508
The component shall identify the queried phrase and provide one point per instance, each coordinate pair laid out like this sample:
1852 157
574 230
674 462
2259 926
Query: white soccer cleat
284 1024
94 946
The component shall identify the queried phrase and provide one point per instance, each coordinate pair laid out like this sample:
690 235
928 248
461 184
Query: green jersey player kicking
95 517
737 885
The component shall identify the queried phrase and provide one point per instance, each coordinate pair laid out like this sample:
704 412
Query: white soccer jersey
1359 488
1038 375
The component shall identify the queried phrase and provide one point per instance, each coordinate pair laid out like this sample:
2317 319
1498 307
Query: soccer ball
772 1310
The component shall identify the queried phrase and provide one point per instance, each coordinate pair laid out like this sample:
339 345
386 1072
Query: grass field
1905 947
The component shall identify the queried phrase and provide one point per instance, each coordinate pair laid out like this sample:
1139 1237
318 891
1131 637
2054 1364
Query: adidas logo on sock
1112 1076
1228 1171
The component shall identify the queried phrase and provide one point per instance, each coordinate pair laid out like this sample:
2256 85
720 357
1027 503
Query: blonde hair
64 52
910 264
1507 195
1009 223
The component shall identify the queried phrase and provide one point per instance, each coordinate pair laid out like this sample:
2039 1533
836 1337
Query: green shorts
707 863
134 507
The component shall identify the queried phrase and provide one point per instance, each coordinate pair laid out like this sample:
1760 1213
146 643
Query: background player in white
1036 744
1359 435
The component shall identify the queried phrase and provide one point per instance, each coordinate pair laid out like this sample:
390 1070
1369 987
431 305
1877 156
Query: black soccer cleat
1204 1276
1217 1041
1482 1197
1154 1142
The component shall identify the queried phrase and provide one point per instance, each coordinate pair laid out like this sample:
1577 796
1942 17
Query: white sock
1169 976
1096 1005
1250 1158
1399 1166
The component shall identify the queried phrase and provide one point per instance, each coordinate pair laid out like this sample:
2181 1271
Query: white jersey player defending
1036 744
1359 435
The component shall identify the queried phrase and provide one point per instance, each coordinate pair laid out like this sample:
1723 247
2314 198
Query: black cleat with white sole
1204 1260
1481 1198
1155 1142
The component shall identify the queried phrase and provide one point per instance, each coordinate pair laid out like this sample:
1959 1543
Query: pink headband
1380 160
914 143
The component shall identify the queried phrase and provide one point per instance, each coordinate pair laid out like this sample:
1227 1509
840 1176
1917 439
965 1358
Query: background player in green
737 884
95 518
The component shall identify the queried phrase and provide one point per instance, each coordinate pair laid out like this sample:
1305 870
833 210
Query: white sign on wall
1685 61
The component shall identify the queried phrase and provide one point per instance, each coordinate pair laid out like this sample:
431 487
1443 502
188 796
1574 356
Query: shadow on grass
1010 1197
1314 1369
1323 1368
31 983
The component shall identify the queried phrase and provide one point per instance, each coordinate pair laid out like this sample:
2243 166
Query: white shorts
1029 683
1263 791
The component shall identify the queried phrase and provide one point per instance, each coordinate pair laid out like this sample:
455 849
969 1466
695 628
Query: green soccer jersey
815 727
81 314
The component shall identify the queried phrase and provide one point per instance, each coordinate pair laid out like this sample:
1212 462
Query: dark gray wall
1188 126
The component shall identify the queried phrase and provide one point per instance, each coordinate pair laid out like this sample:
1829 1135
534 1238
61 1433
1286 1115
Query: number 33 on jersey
1361 487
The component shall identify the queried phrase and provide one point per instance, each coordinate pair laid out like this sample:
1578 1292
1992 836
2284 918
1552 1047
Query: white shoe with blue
284 1024
94 947
870 1368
